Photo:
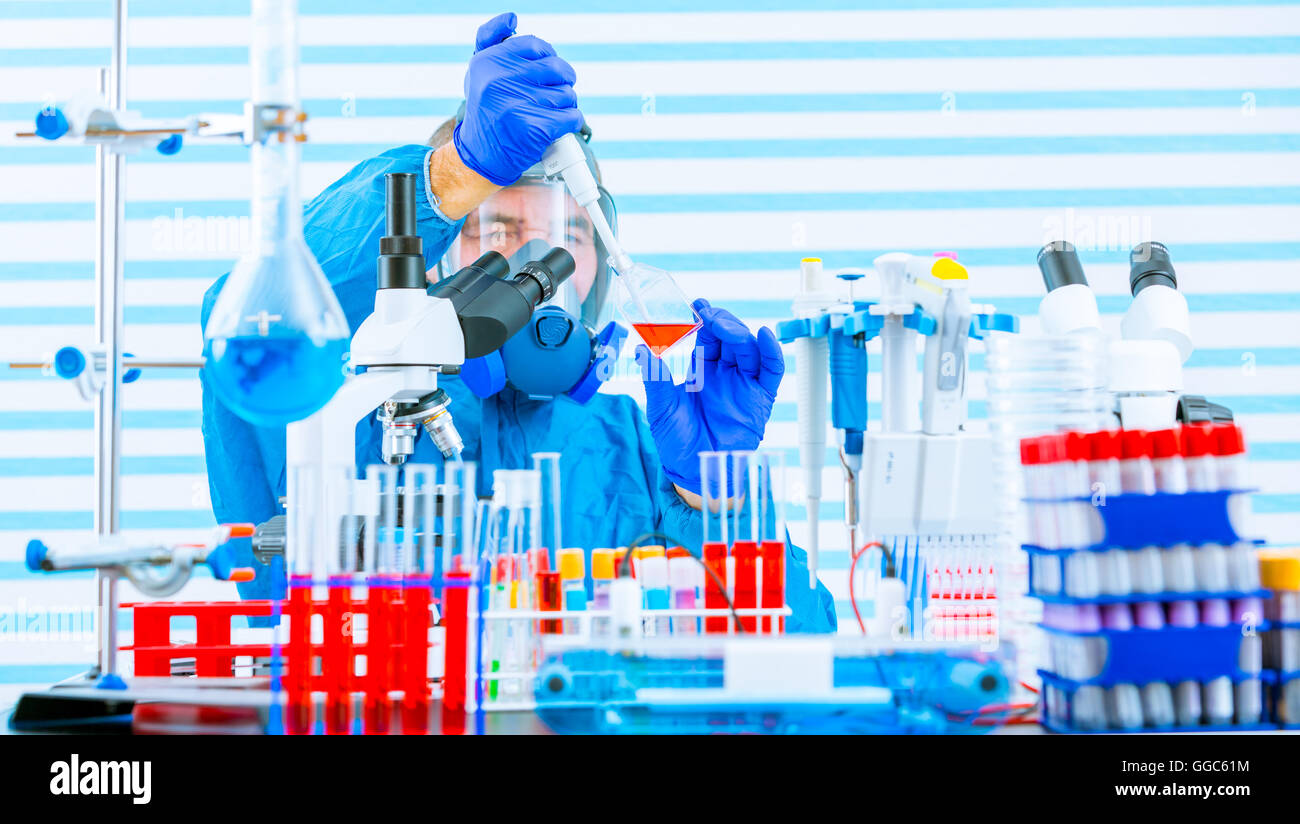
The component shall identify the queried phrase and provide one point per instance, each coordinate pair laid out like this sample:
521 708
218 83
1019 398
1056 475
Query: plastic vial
1250 660
1217 693
1211 560
602 575
1171 478
1157 697
1232 469
573 585
1105 449
1187 694
1123 701
682 581
1138 477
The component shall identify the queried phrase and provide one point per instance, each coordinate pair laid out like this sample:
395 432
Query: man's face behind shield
532 211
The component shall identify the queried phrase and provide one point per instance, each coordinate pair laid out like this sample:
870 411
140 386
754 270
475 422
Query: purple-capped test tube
1123 701
1157 697
1187 694
1216 694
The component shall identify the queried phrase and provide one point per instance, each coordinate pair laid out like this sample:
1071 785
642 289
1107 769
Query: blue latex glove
519 99
725 407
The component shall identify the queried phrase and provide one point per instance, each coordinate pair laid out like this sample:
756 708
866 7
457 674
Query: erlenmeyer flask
652 304
276 339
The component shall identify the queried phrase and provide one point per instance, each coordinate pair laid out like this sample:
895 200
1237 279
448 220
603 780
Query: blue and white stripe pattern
738 137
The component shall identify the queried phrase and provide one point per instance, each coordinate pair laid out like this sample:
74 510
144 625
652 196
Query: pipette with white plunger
564 158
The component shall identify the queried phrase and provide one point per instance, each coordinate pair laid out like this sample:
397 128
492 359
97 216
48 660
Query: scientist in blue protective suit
478 190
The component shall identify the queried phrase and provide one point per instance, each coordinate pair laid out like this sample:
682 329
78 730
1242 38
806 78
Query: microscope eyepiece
401 250
1059 263
1150 265
538 279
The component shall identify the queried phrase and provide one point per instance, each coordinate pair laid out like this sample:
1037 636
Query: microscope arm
328 438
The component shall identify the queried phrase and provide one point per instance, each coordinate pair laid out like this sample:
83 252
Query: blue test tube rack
1172 654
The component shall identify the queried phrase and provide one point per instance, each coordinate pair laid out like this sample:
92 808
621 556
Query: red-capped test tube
420 492
714 494
767 505
304 488
338 657
747 495
383 586
455 562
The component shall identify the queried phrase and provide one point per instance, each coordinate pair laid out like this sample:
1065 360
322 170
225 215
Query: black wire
642 540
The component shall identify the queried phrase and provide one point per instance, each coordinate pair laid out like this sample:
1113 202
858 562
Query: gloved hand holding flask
727 404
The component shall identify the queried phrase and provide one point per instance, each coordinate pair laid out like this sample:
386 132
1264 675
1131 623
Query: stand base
72 710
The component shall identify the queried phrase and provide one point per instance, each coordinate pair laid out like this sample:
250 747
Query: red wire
853 565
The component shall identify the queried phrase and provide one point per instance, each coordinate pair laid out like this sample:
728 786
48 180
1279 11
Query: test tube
383 578
419 499
455 514
713 493
1217 693
1171 477
682 580
305 491
1157 696
748 490
602 577
1249 693
653 573
528 534
547 466
769 514
503 576
477 653
573 584
337 660
1187 694
1138 477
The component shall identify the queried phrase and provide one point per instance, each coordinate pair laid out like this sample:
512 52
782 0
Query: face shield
523 221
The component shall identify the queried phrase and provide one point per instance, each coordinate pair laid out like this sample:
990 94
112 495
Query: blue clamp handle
170 145
51 123
36 552
982 324
789 330
863 322
70 362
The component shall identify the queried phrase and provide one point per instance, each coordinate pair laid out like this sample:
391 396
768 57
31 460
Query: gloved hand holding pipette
519 100
727 405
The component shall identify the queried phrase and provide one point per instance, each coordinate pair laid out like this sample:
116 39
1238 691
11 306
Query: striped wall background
737 135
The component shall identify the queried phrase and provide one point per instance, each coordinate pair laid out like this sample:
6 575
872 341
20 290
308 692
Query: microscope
414 334
1146 363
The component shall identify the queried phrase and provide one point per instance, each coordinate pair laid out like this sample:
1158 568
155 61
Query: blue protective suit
614 488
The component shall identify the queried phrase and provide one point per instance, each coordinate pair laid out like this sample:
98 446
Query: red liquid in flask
661 336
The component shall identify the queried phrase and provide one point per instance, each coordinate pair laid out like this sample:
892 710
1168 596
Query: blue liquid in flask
275 380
